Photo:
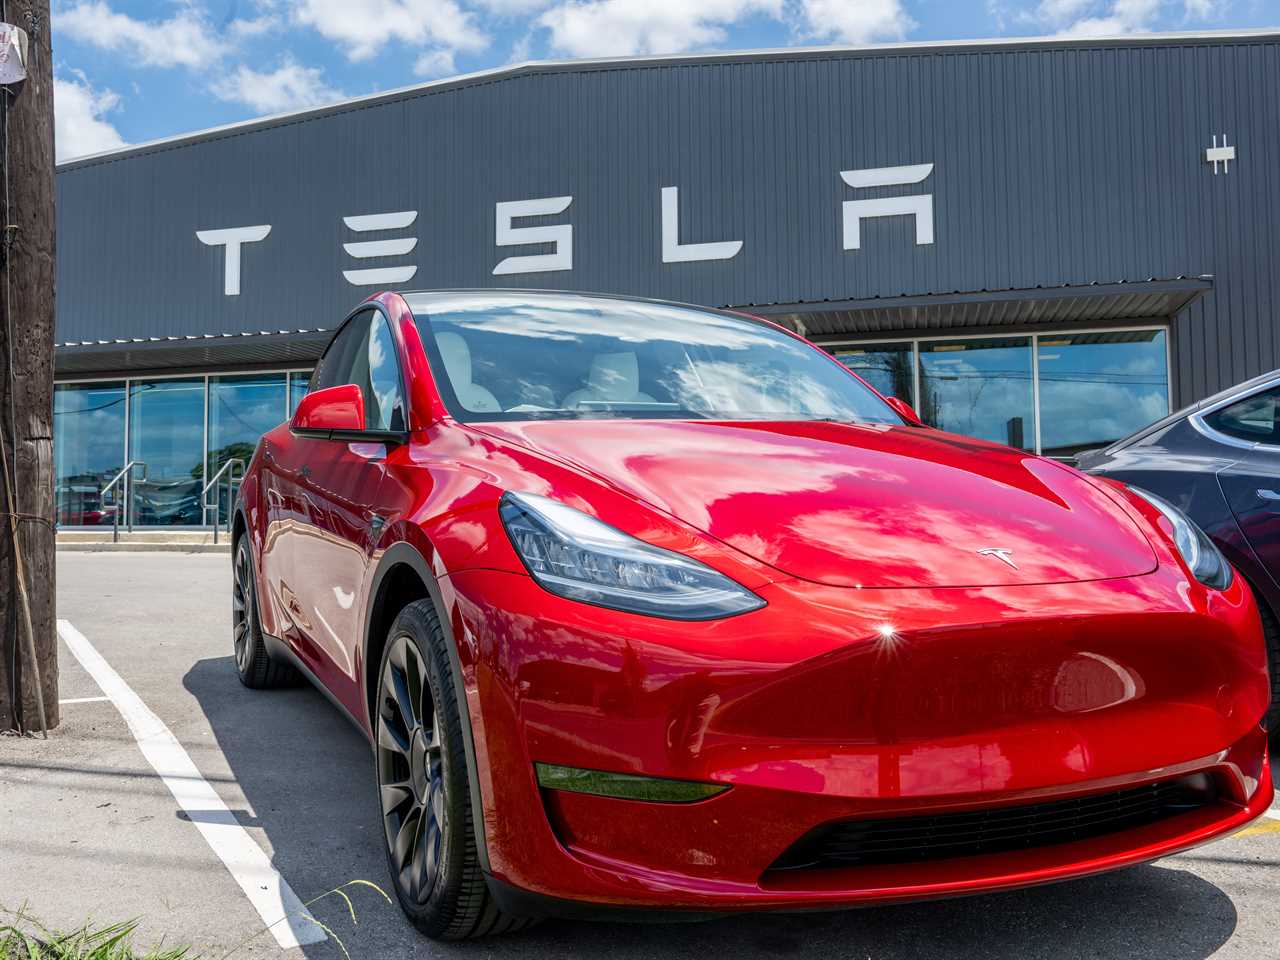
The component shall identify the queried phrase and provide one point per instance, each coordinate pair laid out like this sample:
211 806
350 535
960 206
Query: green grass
22 937
25 939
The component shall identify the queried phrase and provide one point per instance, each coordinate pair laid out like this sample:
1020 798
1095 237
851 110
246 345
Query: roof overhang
1096 303
1101 304
139 357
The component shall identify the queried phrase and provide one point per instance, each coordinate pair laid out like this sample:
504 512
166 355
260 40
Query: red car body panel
865 505
891 671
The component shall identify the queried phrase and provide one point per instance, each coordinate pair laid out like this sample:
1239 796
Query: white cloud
186 39
1123 16
255 27
856 21
79 127
601 28
506 8
362 27
291 86
434 63
1204 9
1062 11
1093 18
522 49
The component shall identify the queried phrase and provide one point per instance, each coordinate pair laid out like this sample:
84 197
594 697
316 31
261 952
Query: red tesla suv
651 606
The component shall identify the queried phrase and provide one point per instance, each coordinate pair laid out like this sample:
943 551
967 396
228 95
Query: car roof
1230 393
426 300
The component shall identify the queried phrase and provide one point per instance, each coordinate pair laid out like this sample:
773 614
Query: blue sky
128 71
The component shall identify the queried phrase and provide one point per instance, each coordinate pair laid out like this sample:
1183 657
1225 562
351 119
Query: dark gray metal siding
1066 164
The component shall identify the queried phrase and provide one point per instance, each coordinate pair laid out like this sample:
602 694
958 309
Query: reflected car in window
645 605
1219 461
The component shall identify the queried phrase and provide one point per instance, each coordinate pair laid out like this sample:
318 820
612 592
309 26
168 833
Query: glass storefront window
241 409
165 418
1098 387
88 449
1094 388
980 387
298 384
886 366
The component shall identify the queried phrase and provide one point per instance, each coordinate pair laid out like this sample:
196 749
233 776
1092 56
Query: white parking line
281 910
85 700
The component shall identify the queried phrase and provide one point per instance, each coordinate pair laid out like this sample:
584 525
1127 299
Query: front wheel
423 786
255 666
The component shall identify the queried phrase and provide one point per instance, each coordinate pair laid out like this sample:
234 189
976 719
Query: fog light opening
624 786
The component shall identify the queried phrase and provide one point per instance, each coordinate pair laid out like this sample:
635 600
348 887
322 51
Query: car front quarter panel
452 480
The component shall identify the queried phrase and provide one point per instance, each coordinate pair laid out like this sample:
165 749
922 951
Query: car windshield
546 357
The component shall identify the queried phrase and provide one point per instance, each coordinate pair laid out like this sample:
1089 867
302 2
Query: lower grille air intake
913 839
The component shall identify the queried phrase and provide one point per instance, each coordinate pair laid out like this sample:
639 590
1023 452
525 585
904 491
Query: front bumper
832 704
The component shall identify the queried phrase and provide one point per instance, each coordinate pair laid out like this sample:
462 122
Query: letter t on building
232 238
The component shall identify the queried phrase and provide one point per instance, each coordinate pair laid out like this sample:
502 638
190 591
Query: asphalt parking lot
88 830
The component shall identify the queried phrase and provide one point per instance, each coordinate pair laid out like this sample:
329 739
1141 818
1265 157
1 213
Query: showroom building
1047 243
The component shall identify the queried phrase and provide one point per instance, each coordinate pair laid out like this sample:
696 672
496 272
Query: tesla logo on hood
1000 553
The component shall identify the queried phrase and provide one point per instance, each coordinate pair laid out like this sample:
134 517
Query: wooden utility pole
29 664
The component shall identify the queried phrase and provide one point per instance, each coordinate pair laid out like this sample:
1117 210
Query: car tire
424 789
256 668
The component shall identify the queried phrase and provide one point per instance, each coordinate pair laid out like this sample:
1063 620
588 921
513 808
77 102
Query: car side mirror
337 410
905 411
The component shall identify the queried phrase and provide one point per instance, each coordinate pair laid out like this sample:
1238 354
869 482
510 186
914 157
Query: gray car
1219 461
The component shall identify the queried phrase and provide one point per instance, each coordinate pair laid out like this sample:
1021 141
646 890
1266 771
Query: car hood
860 505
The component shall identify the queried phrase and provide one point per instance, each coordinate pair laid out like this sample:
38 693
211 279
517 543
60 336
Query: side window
383 396
363 353
1252 419
335 367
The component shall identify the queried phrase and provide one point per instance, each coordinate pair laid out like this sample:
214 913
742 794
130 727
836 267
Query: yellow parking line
1262 826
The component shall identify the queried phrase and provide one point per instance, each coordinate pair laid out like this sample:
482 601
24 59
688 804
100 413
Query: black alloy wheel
411 772
424 786
242 606
254 665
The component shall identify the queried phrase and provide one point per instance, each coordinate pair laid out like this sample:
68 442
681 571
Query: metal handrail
125 474
204 503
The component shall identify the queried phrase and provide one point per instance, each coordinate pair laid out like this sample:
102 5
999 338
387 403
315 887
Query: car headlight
1201 556
576 556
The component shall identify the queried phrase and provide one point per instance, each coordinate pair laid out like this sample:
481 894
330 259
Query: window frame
919 337
377 436
424 314
1202 426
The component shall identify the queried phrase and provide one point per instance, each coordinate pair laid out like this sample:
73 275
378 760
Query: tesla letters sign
508 231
